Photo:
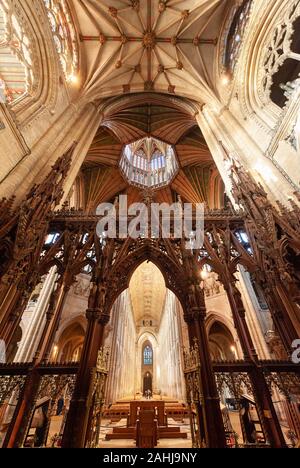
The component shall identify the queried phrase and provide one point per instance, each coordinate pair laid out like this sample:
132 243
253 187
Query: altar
147 405
138 415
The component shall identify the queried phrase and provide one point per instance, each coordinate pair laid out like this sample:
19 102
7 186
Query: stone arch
71 340
221 340
252 88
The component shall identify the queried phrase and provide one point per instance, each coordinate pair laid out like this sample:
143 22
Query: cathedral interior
141 341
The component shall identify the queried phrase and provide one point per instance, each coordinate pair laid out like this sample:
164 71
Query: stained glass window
236 35
16 76
64 36
148 356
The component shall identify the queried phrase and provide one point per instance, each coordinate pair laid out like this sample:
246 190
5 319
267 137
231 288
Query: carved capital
97 314
104 319
93 314
195 314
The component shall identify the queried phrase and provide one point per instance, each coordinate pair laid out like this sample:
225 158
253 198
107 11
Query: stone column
252 317
34 328
110 387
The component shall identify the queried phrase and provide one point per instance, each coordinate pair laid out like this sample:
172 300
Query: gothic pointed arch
221 341
70 341
171 269
269 63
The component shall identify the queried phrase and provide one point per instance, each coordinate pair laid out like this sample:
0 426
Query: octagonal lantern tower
149 162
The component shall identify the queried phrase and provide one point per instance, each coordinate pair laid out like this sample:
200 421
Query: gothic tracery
64 36
280 54
16 69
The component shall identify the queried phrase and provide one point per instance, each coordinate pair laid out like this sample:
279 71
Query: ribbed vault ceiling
170 120
147 292
159 121
145 45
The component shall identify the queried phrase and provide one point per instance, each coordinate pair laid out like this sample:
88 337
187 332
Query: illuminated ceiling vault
148 292
145 45
140 61
134 118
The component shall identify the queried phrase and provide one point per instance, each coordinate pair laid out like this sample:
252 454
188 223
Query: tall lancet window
16 76
64 35
236 34
148 356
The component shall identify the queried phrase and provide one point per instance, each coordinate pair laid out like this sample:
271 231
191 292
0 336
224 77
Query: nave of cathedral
149 224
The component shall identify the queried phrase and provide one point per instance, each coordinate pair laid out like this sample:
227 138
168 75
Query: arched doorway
147 384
